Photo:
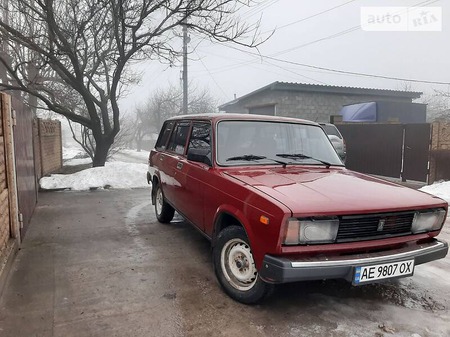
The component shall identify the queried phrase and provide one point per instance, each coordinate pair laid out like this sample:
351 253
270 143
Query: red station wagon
278 205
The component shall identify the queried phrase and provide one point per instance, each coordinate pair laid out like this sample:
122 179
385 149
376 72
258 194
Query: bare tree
166 103
438 108
74 56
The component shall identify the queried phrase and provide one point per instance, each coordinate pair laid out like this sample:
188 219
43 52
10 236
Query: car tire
164 212
235 268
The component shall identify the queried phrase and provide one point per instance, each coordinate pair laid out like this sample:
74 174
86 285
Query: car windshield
262 143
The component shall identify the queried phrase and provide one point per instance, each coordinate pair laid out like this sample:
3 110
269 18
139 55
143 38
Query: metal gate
24 157
390 150
416 151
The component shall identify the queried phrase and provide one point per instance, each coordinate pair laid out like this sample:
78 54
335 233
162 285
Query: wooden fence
9 223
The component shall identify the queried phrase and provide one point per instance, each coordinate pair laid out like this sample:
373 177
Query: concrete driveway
99 264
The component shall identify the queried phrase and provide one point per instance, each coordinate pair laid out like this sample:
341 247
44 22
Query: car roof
216 117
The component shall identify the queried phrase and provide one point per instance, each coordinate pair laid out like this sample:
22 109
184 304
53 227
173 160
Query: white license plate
366 274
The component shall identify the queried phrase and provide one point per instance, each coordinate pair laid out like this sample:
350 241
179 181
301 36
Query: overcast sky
306 33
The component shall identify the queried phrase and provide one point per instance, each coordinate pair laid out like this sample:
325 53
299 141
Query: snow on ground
74 155
130 173
439 189
442 190
77 161
112 175
72 152
135 154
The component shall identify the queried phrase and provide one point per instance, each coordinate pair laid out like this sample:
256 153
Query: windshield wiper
248 157
302 156
251 157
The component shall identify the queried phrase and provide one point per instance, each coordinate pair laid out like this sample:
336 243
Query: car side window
199 149
200 136
164 136
177 142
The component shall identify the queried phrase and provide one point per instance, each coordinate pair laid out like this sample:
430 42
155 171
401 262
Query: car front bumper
283 270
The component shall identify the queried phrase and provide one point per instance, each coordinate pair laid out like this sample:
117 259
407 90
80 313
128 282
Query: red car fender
258 254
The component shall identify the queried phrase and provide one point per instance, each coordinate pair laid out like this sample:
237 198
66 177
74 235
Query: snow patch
440 189
77 161
73 152
138 155
112 175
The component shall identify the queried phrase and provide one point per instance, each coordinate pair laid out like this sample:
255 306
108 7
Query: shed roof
330 89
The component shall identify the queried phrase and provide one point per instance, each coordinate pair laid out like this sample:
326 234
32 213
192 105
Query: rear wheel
164 212
235 268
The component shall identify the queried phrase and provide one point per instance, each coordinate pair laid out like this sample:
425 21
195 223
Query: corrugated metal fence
390 150
27 187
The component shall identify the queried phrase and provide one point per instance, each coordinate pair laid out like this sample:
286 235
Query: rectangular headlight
428 221
311 231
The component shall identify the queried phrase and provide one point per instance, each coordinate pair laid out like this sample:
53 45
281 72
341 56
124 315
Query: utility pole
185 74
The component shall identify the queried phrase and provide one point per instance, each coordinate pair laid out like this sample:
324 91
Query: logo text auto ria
401 19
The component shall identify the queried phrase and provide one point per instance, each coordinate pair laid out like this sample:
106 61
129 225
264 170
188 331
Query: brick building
310 101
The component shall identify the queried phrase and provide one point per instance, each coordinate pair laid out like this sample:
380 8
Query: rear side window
331 130
201 136
177 142
164 136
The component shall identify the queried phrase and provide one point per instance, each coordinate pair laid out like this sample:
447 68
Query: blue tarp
362 112
385 111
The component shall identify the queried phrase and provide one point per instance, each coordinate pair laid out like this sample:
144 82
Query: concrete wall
307 105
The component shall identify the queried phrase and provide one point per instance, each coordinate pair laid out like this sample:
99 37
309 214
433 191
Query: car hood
310 191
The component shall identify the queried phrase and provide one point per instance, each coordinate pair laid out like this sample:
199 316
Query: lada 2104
278 205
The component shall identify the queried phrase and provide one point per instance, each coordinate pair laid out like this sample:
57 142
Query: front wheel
164 212
235 268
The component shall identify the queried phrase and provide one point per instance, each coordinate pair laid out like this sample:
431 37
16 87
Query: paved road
98 264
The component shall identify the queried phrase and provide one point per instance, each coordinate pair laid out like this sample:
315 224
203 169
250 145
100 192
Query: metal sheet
24 156
374 148
417 151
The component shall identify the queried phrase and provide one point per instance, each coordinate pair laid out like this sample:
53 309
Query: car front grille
374 226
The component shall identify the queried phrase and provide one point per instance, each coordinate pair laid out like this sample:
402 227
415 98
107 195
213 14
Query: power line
311 16
340 71
240 63
346 31
293 72
337 71
255 10
221 89
360 74
343 32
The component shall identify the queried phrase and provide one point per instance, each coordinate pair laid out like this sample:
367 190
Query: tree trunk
139 144
101 153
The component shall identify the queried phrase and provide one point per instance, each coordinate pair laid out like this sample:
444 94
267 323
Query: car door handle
179 165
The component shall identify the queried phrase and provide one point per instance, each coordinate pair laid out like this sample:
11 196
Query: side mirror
200 156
